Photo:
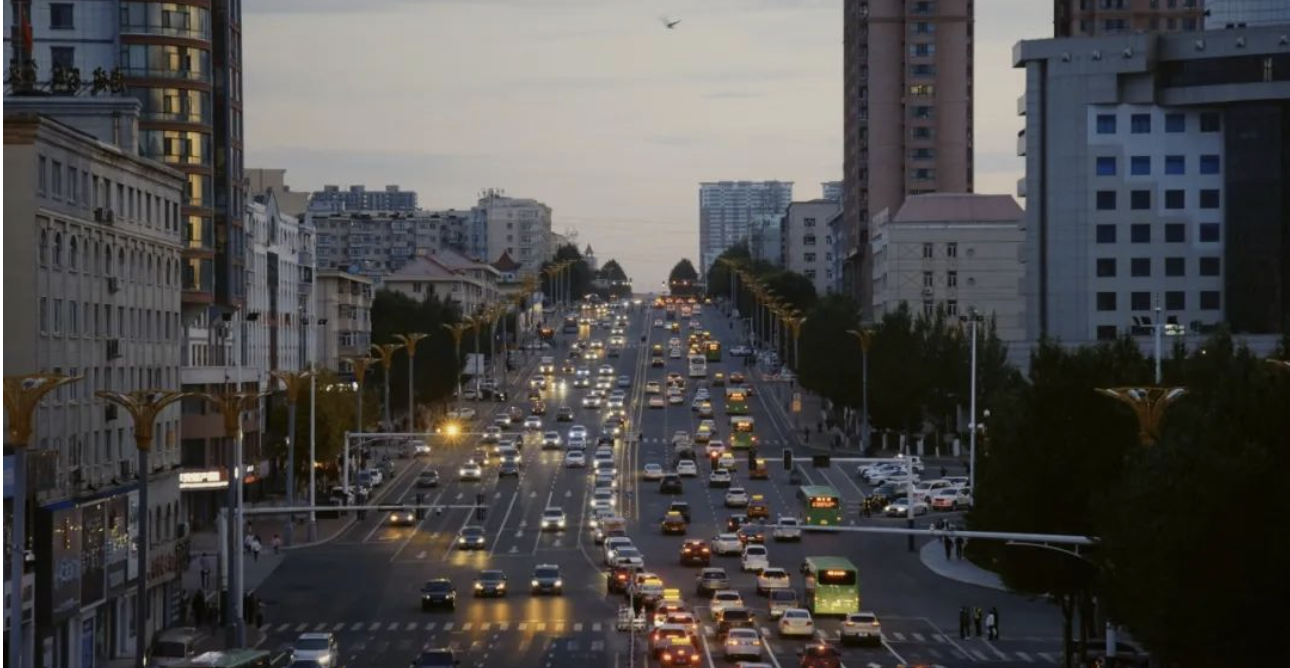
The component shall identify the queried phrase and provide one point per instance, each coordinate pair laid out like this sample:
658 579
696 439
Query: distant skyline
591 106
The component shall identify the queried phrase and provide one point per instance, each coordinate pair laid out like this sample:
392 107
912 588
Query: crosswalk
529 626
932 646
657 440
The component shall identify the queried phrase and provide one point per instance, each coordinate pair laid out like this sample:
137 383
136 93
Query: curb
969 574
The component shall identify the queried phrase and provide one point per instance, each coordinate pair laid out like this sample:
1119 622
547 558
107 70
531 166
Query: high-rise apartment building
831 190
808 242
727 207
359 198
515 226
1072 18
908 68
1221 14
376 244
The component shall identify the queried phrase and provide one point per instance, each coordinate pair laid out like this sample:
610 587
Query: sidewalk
932 555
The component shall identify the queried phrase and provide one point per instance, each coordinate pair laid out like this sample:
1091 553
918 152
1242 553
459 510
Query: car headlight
534 583
559 582
479 585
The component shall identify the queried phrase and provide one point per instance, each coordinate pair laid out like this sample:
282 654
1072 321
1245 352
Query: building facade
808 242
262 181
1075 18
518 227
726 208
957 252
359 198
344 302
1157 172
377 243
93 239
472 285
831 190
766 238
1221 14
907 79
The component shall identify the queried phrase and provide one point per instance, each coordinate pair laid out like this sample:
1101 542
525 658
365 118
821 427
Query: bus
698 366
736 401
713 351
741 433
832 586
823 505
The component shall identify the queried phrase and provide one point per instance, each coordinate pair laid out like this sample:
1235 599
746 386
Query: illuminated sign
824 502
208 479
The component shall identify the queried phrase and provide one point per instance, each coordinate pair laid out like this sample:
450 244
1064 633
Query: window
1175 123
1106 124
922 111
1106 267
61 16
1140 301
1210 122
56 178
1175 199
1209 300
58 249
44 314
1210 266
808 222
922 70
1106 234
1175 165
929 279
922 174
62 56
923 28
808 240
922 90
921 133
952 279
929 308
1175 300
1140 124
922 50
1106 200
1209 164
1140 200
73 254
923 154
1175 233
1106 166
1140 165
952 308
58 316
1209 233
1175 266
927 251
1106 301
951 250
41 176
808 257
1140 233
1209 199
1106 332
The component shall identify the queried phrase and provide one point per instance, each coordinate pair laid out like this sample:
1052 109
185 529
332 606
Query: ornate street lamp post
457 329
295 382
865 336
409 342
385 352
1149 405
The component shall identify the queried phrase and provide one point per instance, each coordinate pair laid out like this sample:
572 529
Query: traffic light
788 459
820 461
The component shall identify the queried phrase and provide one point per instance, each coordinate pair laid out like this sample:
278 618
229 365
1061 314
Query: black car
735 521
428 478
682 507
564 414
734 618
471 538
508 468
670 484
547 580
438 592
490 583
435 658
695 551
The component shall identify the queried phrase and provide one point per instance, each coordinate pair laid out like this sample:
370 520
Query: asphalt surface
365 585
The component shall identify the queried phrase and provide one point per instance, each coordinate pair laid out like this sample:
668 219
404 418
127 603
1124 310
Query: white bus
698 366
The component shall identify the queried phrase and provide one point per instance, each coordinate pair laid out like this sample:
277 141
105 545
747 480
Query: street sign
797 402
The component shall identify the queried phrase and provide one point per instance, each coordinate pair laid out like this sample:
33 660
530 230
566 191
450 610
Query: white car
674 353
790 528
616 400
860 626
736 497
606 370
675 398
613 545
577 431
463 413
533 422
727 544
592 401
319 647
657 401
924 490
492 434
754 559
796 622
552 439
575 459
470 471
553 519
719 478
687 468
726 598
900 508
603 498
629 556
624 381
653 387
653 472
772 578
742 644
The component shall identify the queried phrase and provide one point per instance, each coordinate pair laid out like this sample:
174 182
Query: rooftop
958 207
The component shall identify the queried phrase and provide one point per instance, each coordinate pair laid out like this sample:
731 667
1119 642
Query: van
173 647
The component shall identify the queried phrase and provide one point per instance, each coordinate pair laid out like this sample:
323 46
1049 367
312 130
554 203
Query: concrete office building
831 190
766 238
92 269
515 226
953 251
726 208
345 302
450 277
377 243
1076 18
907 78
261 181
1157 172
359 198
808 242
1245 13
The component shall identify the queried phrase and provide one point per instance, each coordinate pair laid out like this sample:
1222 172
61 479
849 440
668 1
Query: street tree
683 279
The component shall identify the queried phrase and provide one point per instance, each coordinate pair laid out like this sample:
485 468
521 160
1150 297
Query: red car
820 655
681 656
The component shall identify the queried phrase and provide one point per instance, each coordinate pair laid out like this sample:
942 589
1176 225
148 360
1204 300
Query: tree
719 274
794 288
334 404
436 359
683 279
830 364
576 279
612 271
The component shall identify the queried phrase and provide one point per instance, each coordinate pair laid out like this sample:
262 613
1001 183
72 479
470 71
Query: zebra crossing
437 626
930 647
770 442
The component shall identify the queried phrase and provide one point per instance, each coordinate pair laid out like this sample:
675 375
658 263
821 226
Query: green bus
742 436
823 505
832 585
736 401
236 658
713 350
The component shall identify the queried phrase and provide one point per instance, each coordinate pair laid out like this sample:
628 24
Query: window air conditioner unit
927 292
104 216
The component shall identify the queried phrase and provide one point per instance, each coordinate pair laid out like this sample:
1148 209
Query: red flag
25 22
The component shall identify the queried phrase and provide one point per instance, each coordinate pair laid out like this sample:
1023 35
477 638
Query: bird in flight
670 23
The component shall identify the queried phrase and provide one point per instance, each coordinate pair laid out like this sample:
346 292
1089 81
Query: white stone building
808 241
344 301
518 227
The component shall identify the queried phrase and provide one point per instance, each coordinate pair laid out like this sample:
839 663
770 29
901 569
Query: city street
364 586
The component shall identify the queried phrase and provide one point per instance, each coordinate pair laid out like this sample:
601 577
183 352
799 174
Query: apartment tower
1076 18
908 71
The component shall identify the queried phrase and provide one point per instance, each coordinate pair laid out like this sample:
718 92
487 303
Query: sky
591 106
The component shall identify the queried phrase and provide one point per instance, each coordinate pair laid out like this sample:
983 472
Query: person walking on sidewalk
958 546
206 571
963 622
993 623
976 620
949 547
255 548
277 544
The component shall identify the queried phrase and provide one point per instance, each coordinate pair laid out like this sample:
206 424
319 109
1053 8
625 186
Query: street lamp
21 396
360 364
143 406
865 337
409 342
294 382
457 329
974 318
385 352
1148 404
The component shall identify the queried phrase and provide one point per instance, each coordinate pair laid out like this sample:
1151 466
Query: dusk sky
590 106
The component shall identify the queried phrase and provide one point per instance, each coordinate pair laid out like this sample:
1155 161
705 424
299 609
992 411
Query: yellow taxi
757 507
726 460
674 522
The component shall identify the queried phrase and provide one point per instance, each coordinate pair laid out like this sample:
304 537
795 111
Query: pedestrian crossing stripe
1024 657
301 627
412 626
577 627
899 637
979 655
374 626
918 637
447 626
465 627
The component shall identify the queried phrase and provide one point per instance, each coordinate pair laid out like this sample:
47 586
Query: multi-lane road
364 586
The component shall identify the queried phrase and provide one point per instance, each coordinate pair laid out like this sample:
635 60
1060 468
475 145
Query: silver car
743 644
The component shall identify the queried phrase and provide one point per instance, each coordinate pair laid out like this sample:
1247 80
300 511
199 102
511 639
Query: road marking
539 627
483 627
770 651
320 627
533 494
357 626
465 626
338 626
936 654
596 627
374 626
1046 656
430 625
497 494
522 626
918 637
447 626
394 626
1024 657
893 651
460 495
598 646
996 651
897 636
301 627
980 656
577 627
421 554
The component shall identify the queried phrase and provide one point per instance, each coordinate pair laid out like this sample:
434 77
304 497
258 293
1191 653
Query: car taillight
667 656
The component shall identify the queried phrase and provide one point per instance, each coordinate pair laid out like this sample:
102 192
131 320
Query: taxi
673 523
758 470
719 379
726 460
671 603
678 652
757 507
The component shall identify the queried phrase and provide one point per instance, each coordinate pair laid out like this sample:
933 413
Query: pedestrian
277 544
259 614
958 547
944 471
247 540
806 434
255 548
963 622
206 571
991 626
976 620
183 607
994 614
949 547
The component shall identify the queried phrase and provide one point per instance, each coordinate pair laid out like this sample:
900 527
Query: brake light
667 656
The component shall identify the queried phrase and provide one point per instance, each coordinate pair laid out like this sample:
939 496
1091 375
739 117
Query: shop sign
205 479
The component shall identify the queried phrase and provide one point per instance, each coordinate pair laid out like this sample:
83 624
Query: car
428 478
533 422
463 413
564 414
438 592
742 643
796 622
537 408
736 521
718 379
674 353
653 387
724 599
603 498
758 507
575 459
733 618
613 545
710 580
779 600
719 478
436 658
490 583
471 538
752 534
754 558
652 472
925 489
502 421
492 434
687 468
616 400
772 578
675 397
510 467
736 497
695 551
670 483
672 615
470 471
673 523
953 498
553 519
605 370
820 655
630 556
657 361
658 322
551 441
705 409
787 528
319 647
727 544
592 401
546 580
624 381
900 508
657 401
647 588
860 627
403 517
